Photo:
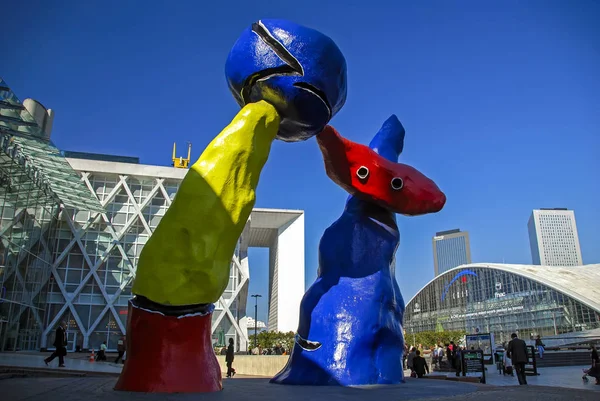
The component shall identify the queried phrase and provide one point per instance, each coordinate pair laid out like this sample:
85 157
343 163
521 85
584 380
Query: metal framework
35 181
110 243
72 230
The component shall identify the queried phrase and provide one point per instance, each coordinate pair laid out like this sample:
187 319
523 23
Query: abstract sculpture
350 330
290 80
298 70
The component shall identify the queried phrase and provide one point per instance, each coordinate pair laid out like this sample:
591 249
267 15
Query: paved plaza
552 384
255 389
565 377
73 362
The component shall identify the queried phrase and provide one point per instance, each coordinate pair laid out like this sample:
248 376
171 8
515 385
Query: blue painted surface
355 308
299 70
389 141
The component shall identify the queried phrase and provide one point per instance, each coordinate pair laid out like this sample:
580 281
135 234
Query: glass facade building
73 226
36 185
502 299
97 254
28 220
450 249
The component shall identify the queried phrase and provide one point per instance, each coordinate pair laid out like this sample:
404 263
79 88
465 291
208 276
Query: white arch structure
581 283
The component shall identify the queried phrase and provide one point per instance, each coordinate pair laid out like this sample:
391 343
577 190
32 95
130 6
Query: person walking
517 352
540 346
229 359
60 342
121 347
420 365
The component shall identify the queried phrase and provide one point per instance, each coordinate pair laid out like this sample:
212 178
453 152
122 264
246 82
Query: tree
269 339
430 338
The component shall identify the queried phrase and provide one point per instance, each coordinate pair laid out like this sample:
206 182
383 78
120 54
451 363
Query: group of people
452 354
121 350
515 356
60 343
276 350
417 364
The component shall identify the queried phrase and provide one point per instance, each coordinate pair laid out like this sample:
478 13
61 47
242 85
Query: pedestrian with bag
517 352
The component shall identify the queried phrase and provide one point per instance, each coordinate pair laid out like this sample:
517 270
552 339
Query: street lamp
256 296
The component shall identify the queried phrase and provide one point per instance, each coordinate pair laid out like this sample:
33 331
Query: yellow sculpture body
187 259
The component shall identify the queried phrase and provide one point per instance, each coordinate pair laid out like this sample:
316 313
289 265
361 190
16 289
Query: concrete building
450 249
553 238
72 230
250 324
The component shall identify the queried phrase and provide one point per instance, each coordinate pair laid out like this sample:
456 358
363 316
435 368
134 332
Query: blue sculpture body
354 309
350 330
298 70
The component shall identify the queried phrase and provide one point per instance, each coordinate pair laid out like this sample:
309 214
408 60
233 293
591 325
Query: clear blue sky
500 101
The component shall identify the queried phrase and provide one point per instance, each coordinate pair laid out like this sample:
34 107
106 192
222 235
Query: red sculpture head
372 174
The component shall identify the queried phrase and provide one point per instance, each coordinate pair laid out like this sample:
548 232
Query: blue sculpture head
298 70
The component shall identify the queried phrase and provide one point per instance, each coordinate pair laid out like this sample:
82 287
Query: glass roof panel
22 140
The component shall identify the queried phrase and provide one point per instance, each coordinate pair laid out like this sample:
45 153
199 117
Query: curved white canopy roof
581 283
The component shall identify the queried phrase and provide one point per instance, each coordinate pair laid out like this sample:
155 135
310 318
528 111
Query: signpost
482 342
472 362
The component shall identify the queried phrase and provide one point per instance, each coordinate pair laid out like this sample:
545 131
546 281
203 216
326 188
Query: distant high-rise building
553 238
450 249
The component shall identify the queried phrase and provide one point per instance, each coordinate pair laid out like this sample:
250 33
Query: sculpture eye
397 183
362 172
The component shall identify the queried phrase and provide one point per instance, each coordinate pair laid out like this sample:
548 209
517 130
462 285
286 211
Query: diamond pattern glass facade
72 231
96 256
35 183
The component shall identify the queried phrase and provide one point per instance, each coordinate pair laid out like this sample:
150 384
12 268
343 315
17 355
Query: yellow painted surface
187 259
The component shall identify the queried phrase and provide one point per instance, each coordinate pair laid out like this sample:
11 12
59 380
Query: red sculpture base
169 354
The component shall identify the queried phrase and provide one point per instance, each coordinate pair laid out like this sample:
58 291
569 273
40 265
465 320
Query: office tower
450 249
553 238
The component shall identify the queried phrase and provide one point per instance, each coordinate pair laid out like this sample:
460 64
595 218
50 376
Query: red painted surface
169 355
342 157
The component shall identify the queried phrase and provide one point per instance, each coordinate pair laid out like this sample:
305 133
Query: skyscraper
450 249
553 238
